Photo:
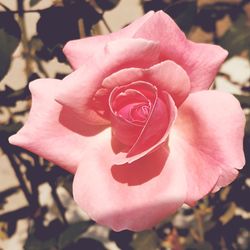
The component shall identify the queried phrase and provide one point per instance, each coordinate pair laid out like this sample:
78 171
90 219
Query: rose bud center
130 107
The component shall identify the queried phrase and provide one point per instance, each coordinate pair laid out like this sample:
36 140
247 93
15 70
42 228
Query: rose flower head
137 124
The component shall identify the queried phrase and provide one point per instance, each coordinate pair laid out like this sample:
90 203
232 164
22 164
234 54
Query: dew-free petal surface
200 61
52 132
166 75
209 134
79 87
125 197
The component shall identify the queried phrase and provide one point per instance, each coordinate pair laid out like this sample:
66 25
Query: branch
26 50
19 176
106 25
5 7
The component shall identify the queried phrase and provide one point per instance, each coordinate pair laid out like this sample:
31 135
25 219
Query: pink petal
200 61
80 50
135 196
166 76
209 134
157 127
80 86
52 132
154 133
121 101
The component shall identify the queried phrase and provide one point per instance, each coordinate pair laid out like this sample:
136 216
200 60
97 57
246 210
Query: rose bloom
136 123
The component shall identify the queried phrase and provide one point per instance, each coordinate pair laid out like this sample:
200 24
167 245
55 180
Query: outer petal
48 130
135 196
79 51
80 86
209 134
166 76
201 61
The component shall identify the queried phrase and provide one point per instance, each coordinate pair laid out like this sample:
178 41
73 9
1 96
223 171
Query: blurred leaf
44 237
34 2
237 38
32 243
244 100
5 55
50 29
200 246
72 233
185 19
122 239
146 240
86 243
107 4
10 36
8 96
210 13
9 129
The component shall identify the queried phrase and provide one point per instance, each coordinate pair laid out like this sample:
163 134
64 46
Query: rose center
139 113
131 107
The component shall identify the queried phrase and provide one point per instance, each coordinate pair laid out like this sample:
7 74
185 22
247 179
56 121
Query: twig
59 205
81 28
200 227
17 214
5 7
19 176
106 25
40 67
24 38
16 11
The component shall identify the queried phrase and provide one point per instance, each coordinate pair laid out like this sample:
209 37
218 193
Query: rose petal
80 50
49 129
200 61
122 100
80 86
209 133
154 133
166 76
126 197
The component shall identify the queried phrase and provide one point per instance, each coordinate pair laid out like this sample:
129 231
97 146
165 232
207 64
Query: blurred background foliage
220 221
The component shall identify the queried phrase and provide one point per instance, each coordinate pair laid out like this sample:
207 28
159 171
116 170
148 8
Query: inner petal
130 107
139 113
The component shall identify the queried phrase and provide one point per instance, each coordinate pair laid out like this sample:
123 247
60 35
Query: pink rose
137 124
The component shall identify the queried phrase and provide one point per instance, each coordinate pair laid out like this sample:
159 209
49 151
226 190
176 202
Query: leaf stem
5 7
106 25
24 38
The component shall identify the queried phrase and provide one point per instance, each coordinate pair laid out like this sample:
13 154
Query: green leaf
237 38
10 36
146 240
72 233
34 2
